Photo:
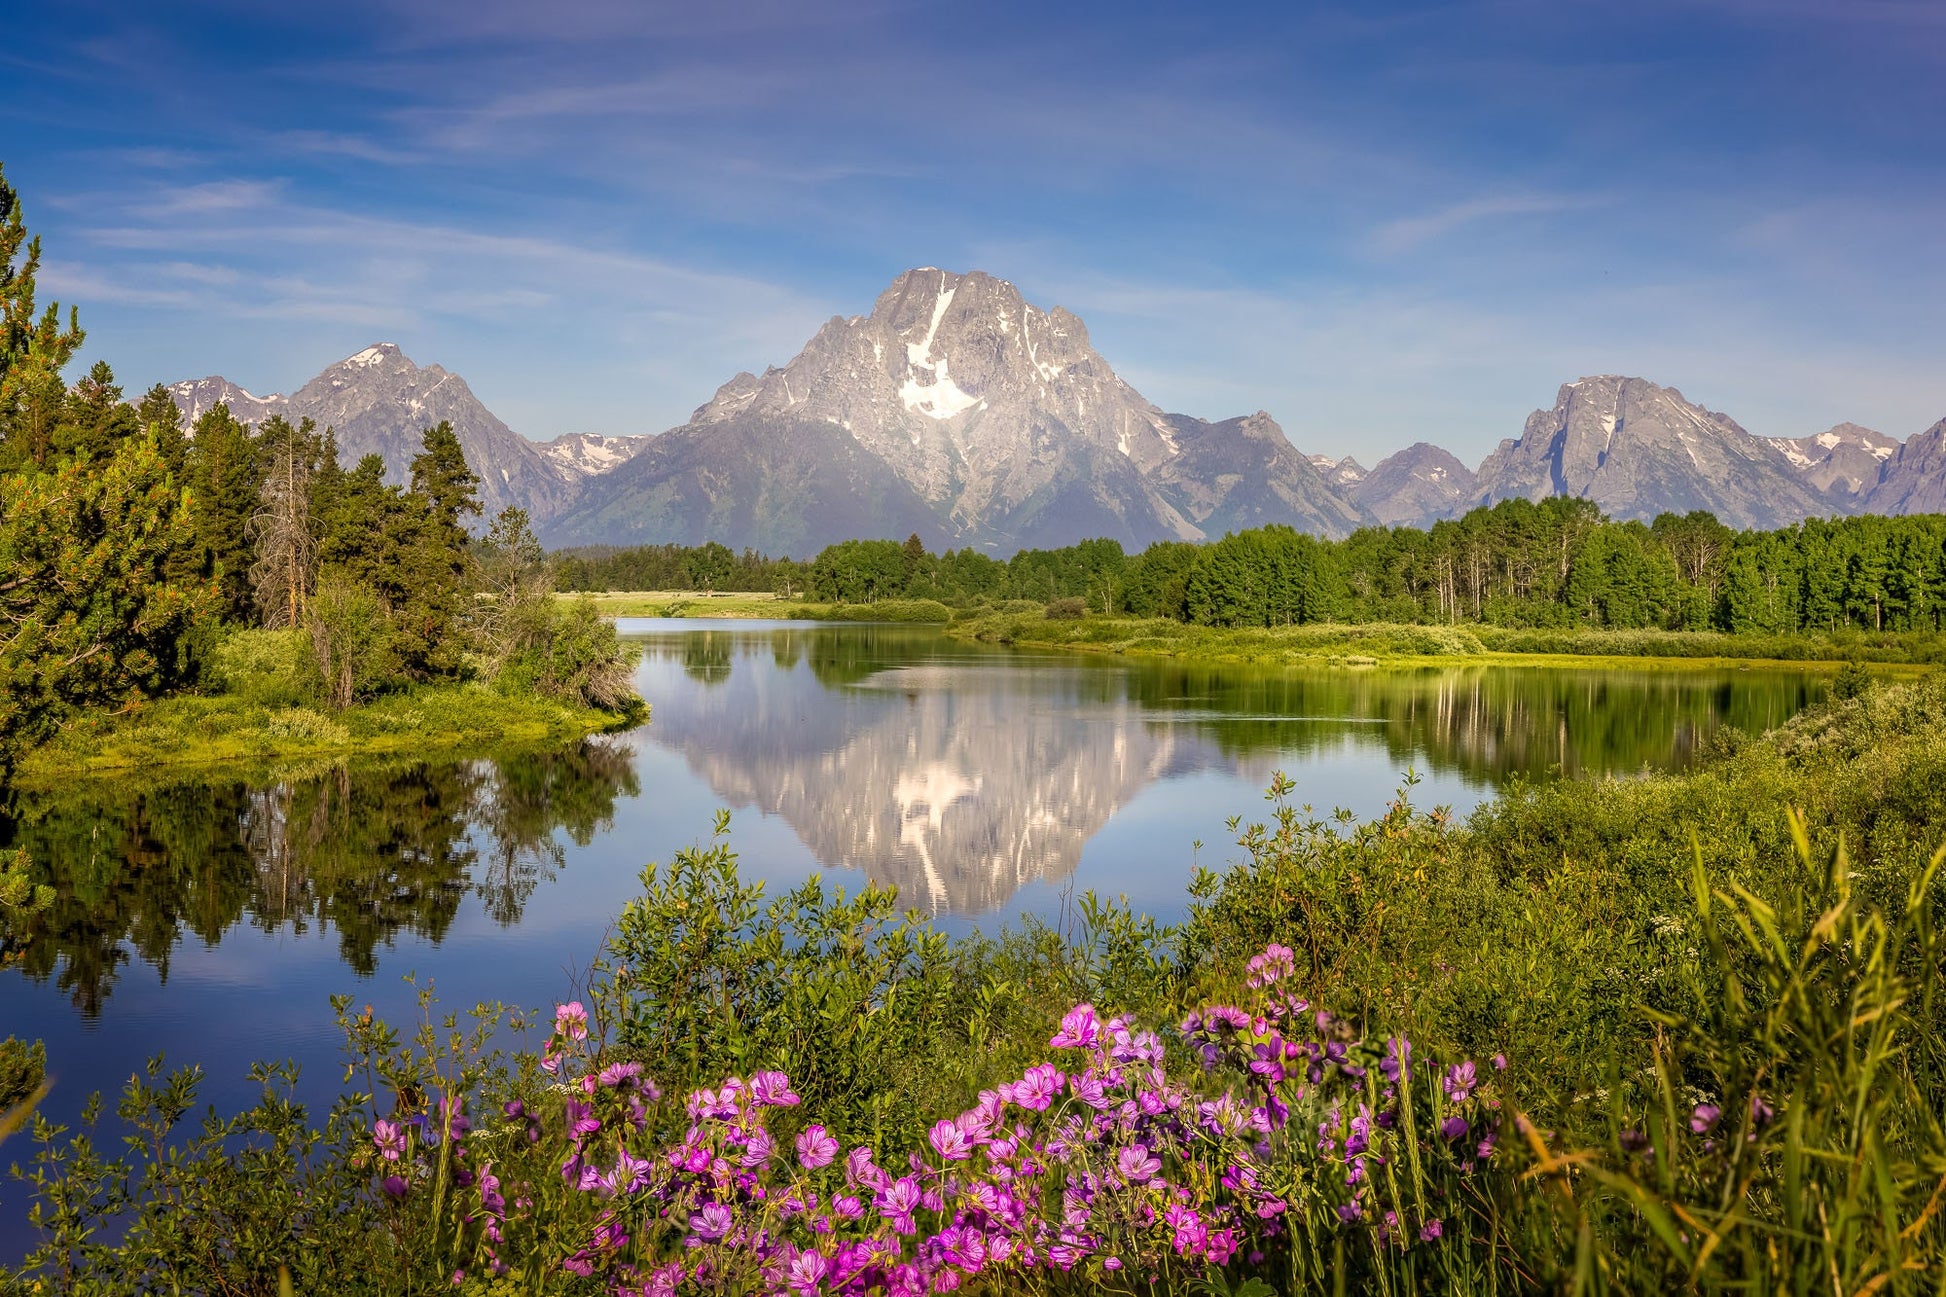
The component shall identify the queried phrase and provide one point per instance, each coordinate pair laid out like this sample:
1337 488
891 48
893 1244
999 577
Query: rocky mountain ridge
961 412
957 410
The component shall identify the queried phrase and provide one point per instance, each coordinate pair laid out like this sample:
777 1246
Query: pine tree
34 349
160 418
432 561
224 472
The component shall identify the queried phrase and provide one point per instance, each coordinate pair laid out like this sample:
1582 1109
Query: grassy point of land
1382 644
749 605
691 603
194 731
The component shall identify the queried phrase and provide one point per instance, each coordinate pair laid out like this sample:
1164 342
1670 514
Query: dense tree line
710 567
1551 563
129 544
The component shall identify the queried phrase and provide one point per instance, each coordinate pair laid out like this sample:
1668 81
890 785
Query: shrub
1067 609
265 667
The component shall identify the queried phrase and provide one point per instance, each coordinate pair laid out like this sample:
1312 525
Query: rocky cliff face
958 410
1914 478
1638 450
379 402
1415 487
1843 464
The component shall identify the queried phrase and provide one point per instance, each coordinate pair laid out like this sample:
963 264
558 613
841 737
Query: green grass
747 605
691 603
192 730
1377 643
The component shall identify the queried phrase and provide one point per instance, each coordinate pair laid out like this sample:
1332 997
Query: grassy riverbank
1378 643
258 704
740 605
194 730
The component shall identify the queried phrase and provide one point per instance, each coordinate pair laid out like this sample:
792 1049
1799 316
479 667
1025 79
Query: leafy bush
893 610
1067 610
270 668
572 653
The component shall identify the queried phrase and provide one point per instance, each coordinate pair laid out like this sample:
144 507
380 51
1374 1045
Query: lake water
209 917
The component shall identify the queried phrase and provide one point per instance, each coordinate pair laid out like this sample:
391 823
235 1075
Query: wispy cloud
1409 234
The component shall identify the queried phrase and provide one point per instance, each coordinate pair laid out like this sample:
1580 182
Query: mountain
584 454
1415 487
1843 464
379 402
1344 474
1638 450
1914 478
958 411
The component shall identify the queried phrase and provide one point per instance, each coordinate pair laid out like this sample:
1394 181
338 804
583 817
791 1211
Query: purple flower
947 1139
816 1147
395 1185
1460 1080
571 1021
1080 1029
772 1090
712 1222
1499 1065
390 1138
1276 962
1351 1211
1453 1128
1761 1113
1036 1089
1704 1118
897 1203
1136 1164
806 1272
1431 1230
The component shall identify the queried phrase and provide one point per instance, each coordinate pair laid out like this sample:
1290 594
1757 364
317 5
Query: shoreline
1363 646
196 732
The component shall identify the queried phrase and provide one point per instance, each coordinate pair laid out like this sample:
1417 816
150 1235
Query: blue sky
1381 222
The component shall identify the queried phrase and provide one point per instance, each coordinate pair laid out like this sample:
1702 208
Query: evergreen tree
431 593
91 617
159 416
34 349
224 473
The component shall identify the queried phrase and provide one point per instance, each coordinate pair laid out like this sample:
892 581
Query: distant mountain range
957 410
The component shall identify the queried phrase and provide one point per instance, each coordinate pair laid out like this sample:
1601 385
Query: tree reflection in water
365 850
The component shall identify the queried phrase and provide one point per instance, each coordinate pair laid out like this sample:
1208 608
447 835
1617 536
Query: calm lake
208 917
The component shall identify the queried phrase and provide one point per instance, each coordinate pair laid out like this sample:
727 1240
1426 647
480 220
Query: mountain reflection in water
963 773
967 775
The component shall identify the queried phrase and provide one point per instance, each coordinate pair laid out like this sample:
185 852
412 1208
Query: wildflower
1276 962
1036 1088
1453 1128
1350 1211
897 1202
1761 1113
395 1186
712 1222
571 1021
1460 1080
806 1272
815 1147
1499 1063
1080 1029
1704 1118
1136 1164
947 1138
1432 1229
390 1138
772 1090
